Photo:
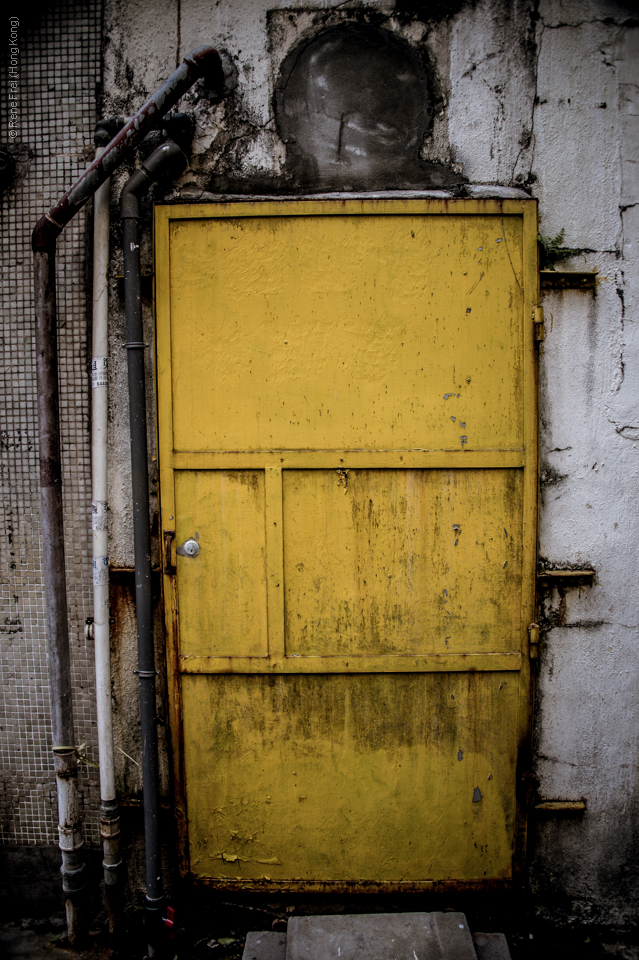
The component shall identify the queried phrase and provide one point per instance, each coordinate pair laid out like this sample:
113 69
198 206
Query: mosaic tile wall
58 66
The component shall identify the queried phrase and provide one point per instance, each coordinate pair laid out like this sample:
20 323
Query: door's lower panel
389 780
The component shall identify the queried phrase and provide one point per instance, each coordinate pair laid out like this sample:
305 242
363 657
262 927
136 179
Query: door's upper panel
347 332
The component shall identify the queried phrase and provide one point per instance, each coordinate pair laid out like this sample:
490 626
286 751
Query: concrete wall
523 95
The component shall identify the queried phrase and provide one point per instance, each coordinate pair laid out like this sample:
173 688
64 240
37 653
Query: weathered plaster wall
528 94
493 57
586 141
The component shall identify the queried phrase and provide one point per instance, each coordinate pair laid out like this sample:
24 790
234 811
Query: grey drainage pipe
202 62
167 160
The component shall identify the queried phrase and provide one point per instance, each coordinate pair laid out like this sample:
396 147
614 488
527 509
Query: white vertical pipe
99 427
109 812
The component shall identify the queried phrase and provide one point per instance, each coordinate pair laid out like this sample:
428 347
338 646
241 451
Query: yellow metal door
348 462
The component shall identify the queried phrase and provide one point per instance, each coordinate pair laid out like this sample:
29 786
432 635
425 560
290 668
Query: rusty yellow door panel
428 355
347 429
342 778
224 511
402 561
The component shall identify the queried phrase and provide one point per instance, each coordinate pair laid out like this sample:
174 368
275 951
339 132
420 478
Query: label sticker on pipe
100 571
99 376
98 515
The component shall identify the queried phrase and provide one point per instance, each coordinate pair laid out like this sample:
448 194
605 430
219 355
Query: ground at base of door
221 933
394 936
43 940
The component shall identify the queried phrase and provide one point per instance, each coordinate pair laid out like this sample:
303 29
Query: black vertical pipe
142 541
167 158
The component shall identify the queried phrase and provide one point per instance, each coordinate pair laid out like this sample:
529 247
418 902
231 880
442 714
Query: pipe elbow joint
217 70
44 236
207 61
167 161
106 130
131 193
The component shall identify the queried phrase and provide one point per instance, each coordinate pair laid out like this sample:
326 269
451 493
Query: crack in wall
530 177
628 431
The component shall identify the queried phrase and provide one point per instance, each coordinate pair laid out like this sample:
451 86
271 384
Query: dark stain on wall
353 105
428 10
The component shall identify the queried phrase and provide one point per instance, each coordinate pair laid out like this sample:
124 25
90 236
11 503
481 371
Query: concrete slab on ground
384 936
491 946
265 946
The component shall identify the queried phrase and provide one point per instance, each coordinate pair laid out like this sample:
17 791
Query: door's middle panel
374 562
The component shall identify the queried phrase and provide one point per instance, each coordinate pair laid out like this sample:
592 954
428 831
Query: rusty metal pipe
202 62
64 752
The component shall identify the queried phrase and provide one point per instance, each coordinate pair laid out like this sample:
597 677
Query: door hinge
533 640
169 567
538 323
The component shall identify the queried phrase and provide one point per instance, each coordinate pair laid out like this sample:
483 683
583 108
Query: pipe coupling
109 828
72 881
72 876
111 873
69 839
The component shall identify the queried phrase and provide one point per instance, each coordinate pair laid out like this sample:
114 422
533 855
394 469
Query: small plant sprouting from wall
552 251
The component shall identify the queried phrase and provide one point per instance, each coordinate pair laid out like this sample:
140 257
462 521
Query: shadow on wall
353 106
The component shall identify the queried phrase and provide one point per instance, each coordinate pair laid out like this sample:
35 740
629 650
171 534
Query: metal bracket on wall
560 806
538 323
566 578
567 280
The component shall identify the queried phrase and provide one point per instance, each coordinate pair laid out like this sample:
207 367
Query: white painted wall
587 721
524 86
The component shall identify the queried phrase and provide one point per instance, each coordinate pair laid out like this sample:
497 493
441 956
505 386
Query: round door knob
190 548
